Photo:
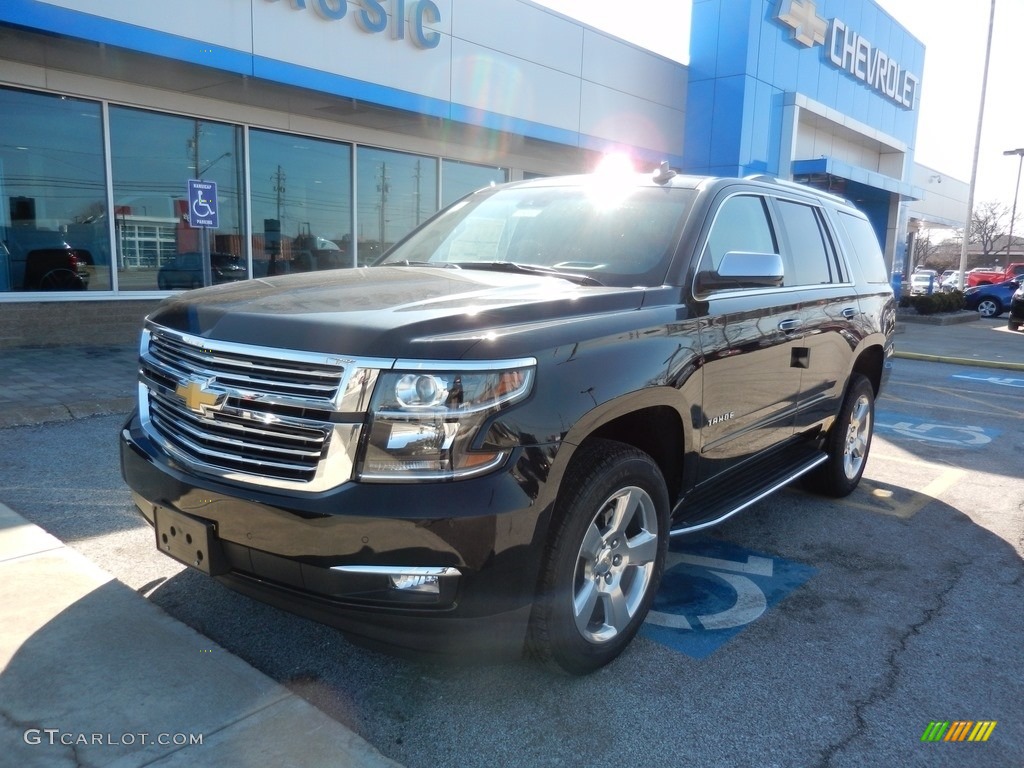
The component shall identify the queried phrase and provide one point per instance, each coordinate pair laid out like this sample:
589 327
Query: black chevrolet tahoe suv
487 438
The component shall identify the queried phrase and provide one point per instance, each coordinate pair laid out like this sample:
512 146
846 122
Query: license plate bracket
189 540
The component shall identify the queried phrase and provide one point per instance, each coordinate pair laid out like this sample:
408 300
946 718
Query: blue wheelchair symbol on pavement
712 589
202 203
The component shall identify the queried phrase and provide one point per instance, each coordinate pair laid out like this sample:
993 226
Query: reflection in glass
396 193
460 179
301 203
53 213
152 158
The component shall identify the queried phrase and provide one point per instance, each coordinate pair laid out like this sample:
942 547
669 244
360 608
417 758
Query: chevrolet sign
849 51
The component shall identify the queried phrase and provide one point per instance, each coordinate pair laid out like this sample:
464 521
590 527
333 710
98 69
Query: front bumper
308 553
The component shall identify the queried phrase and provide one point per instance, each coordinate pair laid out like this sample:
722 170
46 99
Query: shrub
936 302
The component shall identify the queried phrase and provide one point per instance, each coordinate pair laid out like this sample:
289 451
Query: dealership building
297 135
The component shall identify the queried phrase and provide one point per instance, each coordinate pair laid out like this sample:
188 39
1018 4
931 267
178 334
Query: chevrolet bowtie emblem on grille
199 397
802 15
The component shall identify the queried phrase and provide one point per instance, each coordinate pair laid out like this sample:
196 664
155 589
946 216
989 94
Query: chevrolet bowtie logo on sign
199 397
802 15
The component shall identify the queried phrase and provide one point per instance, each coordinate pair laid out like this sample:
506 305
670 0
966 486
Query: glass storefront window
301 203
55 227
460 179
153 156
53 213
396 192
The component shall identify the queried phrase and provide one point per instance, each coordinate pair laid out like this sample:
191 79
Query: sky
954 33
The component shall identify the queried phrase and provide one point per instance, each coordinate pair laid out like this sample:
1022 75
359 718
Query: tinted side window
861 241
741 225
808 257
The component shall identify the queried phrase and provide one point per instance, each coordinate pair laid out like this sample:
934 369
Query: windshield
622 236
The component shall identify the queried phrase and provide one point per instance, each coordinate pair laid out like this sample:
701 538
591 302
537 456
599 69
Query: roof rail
769 179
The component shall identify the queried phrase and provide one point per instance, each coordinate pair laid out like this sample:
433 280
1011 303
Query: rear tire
848 442
604 558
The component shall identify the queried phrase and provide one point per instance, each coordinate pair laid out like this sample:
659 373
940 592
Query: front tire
848 442
989 308
604 558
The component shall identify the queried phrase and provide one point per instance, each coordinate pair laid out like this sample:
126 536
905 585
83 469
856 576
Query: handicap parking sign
712 589
202 203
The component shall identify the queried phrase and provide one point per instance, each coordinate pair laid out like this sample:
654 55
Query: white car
951 282
925 281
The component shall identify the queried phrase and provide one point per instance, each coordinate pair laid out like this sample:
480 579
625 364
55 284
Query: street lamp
1013 214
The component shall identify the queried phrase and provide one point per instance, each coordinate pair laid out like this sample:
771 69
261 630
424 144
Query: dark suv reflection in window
185 271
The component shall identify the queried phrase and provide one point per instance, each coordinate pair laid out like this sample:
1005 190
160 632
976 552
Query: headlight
424 422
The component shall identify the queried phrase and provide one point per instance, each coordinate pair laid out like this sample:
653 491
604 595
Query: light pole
977 147
1013 214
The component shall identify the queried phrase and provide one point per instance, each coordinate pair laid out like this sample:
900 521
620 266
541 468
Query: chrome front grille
266 416
251 369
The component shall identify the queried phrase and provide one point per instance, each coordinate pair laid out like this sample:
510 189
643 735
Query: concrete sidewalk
87 665
92 673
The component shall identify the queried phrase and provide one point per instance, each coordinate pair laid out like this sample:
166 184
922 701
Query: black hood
416 312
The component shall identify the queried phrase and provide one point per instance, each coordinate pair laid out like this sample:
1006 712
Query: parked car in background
950 281
185 271
983 276
924 281
57 269
992 300
1016 319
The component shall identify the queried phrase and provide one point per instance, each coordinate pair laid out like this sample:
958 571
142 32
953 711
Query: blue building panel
807 80
769 48
785 67
766 134
703 40
828 85
727 120
700 105
733 38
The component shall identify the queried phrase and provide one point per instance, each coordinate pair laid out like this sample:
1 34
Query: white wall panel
342 48
523 30
620 117
222 22
496 82
625 67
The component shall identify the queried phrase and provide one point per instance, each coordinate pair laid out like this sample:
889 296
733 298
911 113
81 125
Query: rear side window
808 257
862 243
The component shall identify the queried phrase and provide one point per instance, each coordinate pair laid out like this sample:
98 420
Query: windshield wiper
407 263
530 269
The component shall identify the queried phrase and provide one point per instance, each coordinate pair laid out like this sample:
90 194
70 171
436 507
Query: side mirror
743 269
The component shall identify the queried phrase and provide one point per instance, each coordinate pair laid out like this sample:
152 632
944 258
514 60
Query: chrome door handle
788 326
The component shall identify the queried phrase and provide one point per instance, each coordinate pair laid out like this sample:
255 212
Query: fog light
423 584
409 580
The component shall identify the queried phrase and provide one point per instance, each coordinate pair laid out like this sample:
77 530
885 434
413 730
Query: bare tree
990 223
927 251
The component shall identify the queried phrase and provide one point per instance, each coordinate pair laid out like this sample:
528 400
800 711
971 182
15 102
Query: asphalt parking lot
802 632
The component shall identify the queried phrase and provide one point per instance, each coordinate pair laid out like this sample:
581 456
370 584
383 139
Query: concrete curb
960 361
92 673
